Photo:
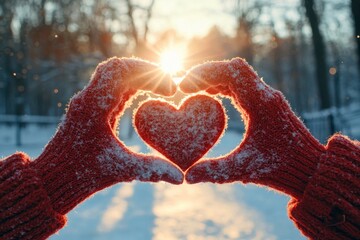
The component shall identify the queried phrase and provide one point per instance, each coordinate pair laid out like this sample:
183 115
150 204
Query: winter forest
307 49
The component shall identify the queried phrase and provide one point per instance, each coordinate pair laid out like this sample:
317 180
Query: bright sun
171 61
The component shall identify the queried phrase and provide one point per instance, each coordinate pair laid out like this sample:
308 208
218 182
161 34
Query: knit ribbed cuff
26 212
294 178
68 182
329 208
301 154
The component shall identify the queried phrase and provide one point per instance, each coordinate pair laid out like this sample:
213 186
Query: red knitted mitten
330 206
277 150
25 209
85 155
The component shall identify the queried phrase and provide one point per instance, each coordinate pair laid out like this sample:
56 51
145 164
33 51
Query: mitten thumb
151 169
221 170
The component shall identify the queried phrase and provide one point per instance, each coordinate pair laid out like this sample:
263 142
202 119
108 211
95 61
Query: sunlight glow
116 210
177 80
188 212
171 61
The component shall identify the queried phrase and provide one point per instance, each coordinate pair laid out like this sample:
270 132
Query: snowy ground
162 211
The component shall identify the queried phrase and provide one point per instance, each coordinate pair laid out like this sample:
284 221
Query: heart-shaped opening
181 133
229 141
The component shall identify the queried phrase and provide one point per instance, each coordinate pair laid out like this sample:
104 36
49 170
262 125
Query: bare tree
214 46
139 32
277 55
355 9
319 54
247 14
7 56
294 61
247 17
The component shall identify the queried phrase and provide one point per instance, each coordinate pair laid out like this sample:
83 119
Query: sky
191 18
194 18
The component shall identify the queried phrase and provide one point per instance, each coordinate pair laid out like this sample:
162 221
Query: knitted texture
277 151
329 208
26 211
85 154
182 134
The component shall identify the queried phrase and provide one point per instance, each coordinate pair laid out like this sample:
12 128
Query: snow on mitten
182 133
277 151
85 155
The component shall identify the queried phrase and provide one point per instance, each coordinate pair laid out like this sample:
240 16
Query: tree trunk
277 64
295 70
320 55
355 8
148 17
244 39
133 29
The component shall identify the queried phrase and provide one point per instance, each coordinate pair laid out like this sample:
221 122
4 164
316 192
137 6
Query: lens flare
171 61
177 80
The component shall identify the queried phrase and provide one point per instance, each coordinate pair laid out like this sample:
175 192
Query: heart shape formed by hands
183 134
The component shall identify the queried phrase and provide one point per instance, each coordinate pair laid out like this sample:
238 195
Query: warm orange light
171 61
332 71
177 80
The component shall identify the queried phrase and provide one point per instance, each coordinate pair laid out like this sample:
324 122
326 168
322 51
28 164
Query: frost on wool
108 79
235 75
185 134
116 160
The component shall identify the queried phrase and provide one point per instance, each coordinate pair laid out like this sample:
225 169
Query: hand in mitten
85 155
277 150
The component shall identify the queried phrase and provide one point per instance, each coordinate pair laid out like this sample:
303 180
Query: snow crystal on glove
183 135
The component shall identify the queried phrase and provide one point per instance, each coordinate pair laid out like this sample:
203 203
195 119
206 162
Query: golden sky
191 18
